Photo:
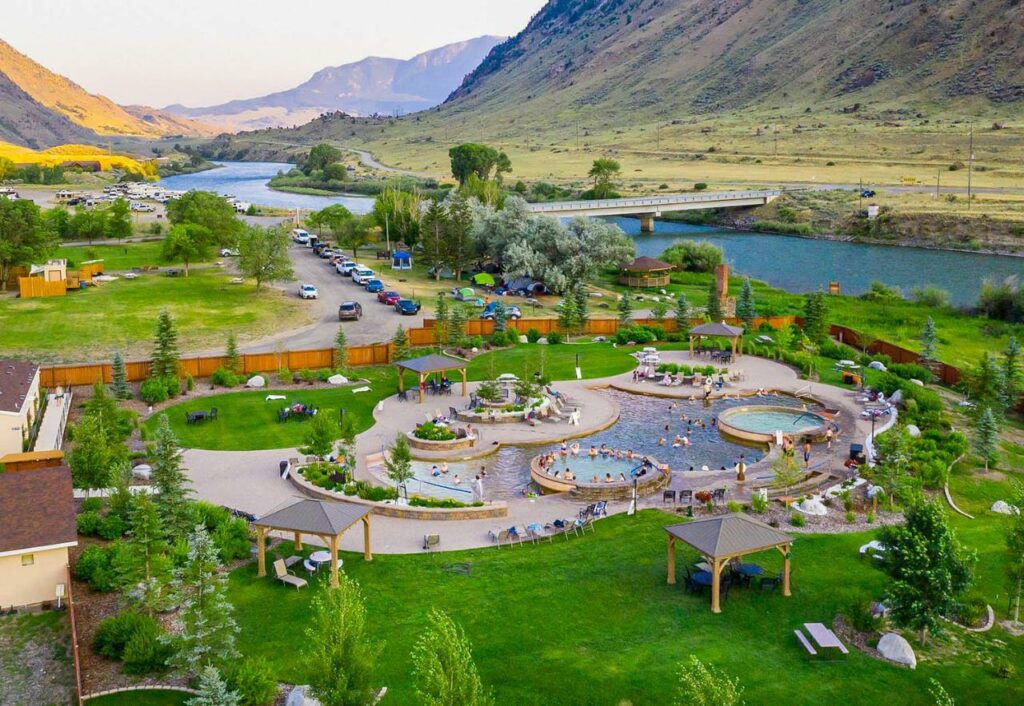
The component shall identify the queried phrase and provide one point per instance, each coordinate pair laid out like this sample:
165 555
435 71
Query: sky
204 52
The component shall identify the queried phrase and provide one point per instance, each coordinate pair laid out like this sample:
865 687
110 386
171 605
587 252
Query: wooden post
465 390
401 379
691 347
421 388
298 541
785 570
716 571
671 560
367 553
261 551
334 561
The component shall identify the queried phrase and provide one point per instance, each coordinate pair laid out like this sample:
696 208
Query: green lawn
115 257
92 324
144 697
592 621
597 360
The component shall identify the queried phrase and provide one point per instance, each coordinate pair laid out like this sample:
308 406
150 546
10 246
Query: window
28 559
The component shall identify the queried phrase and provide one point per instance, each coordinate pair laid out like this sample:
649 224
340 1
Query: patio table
702 578
320 557
750 570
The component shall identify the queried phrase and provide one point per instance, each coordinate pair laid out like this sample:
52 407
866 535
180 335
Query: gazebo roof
432 364
647 264
315 517
728 535
717 329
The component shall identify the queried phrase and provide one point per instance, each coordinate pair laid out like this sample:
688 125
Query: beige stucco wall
14 425
28 585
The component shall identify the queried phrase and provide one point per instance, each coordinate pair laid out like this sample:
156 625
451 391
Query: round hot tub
760 423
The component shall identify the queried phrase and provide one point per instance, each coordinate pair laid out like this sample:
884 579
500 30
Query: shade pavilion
431 364
326 520
721 539
717 330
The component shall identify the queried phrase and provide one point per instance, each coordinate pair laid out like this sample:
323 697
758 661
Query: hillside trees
481 160
319 157
603 171
22 237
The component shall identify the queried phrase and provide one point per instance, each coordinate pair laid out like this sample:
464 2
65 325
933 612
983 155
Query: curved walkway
249 480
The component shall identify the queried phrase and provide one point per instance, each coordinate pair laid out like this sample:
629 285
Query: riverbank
173 169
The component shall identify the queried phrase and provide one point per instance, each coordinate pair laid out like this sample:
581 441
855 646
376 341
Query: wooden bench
806 643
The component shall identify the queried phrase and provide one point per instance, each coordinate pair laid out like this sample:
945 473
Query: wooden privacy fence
948 374
250 363
36 287
594 327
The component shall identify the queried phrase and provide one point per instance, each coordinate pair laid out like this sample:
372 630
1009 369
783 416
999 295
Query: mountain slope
706 56
373 85
93 112
23 121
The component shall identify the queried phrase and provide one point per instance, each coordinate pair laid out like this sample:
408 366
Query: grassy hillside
28 122
77 153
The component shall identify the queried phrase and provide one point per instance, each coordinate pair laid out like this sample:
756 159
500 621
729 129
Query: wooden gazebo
717 330
646 272
721 539
431 364
326 520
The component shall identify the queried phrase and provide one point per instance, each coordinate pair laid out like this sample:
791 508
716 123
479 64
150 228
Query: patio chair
282 416
537 533
585 525
718 495
310 567
403 395
212 414
453 413
686 497
724 585
430 541
600 509
292 561
774 582
499 536
287 577
668 496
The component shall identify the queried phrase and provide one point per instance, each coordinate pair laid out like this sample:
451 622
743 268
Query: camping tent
401 261
484 279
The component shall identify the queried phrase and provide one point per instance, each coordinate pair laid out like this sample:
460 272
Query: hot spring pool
759 423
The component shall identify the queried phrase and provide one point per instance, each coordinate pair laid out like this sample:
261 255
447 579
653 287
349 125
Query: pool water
642 422
769 422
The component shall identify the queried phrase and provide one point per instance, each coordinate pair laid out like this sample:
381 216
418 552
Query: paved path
249 480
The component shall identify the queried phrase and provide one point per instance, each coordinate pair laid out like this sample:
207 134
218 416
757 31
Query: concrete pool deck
249 480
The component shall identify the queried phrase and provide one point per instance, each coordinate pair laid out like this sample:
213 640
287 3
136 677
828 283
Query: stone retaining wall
450 445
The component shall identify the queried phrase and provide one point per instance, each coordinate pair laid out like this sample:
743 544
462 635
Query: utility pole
577 134
970 167
938 180
387 231
861 192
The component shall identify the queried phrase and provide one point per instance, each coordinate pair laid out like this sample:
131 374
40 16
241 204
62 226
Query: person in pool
456 480
592 452
677 442
569 475
483 471
595 479
622 477
604 449
661 441
686 441
575 449
444 467
435 471
608 478
564 448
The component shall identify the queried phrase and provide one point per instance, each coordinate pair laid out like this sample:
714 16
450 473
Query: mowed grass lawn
246 421
115 257
121 315
142 698
591 620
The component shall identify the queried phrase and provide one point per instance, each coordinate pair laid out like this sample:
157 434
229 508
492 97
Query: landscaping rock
896 649
524 339
600 339
337 379
142 471
542 341
1004 508
812 506
913 431
256 381
299 696
915 381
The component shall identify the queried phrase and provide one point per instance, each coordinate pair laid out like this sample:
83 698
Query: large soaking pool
643 423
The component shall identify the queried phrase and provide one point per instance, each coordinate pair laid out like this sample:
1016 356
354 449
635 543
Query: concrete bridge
649 207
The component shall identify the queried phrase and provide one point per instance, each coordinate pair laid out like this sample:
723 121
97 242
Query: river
791 263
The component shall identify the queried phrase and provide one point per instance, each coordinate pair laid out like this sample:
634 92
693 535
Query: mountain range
374 85
41 108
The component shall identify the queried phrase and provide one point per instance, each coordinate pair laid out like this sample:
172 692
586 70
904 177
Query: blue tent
401 261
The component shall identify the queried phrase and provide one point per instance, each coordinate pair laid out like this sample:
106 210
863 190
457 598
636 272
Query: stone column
646 222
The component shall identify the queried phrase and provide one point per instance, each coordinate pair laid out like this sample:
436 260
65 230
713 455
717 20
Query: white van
300 236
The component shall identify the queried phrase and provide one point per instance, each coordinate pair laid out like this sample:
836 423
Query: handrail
650 201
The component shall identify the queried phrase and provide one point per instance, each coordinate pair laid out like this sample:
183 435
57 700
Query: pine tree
500 316
457 325
213 691
816 317
441 315
986 436
234 361
746 307
929 341
120 378
165 350
341 348
143 566
567 315
170 482
582 307
116 422
339 654
986 384
659 310
443 668
401 343
625 310
714 309
1013 373
208 628
682 312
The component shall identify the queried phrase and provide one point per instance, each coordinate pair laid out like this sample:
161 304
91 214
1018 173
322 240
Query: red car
388 297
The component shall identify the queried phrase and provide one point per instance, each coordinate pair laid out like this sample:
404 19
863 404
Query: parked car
407 307
307 291
511 312
229 252
350 311
345 268
362 275
374 286
388 297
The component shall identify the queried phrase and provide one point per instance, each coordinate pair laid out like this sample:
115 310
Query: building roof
717 329
37 509
16 378
647 264
432 364
728 535
316 517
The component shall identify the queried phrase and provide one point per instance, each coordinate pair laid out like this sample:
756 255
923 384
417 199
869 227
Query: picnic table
822 637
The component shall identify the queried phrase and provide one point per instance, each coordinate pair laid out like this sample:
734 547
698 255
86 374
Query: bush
861 618
1006 670
113 634
285 376
780 227
428 431
112 527
533 335
636 334
418 501
232 538
94 567
307 376
909 371
153 391
474 342
224 378
797 520
89 523
324 374
759 504
700 186
554 338
734 506
694 256
252 679
190 383
92 504
145 651
499 339
850 517
870 518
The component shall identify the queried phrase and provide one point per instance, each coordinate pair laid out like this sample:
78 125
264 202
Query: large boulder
913 431
337 380
299 696
142 471
1004 508
896 649
256 381
812 506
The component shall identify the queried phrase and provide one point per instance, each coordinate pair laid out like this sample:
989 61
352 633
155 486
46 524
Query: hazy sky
203 52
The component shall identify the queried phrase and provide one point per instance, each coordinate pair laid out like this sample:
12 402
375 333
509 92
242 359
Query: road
378 324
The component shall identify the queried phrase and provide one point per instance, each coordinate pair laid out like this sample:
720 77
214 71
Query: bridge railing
655 201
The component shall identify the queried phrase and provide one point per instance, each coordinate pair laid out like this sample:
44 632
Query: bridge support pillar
646 222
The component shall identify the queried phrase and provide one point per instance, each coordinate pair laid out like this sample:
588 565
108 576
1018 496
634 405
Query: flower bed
503 414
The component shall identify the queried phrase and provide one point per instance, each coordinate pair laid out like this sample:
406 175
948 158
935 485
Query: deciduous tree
700 684
603 171
1015 551
209 211
92 458
119 220
263 255
23 239
320 156
399 462
659 310
625 309
443 669
340 657
471 158
322 436
187 242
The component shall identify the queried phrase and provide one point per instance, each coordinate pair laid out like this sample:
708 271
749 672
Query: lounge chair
584 525
535 532
287 577
430 541
292 561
